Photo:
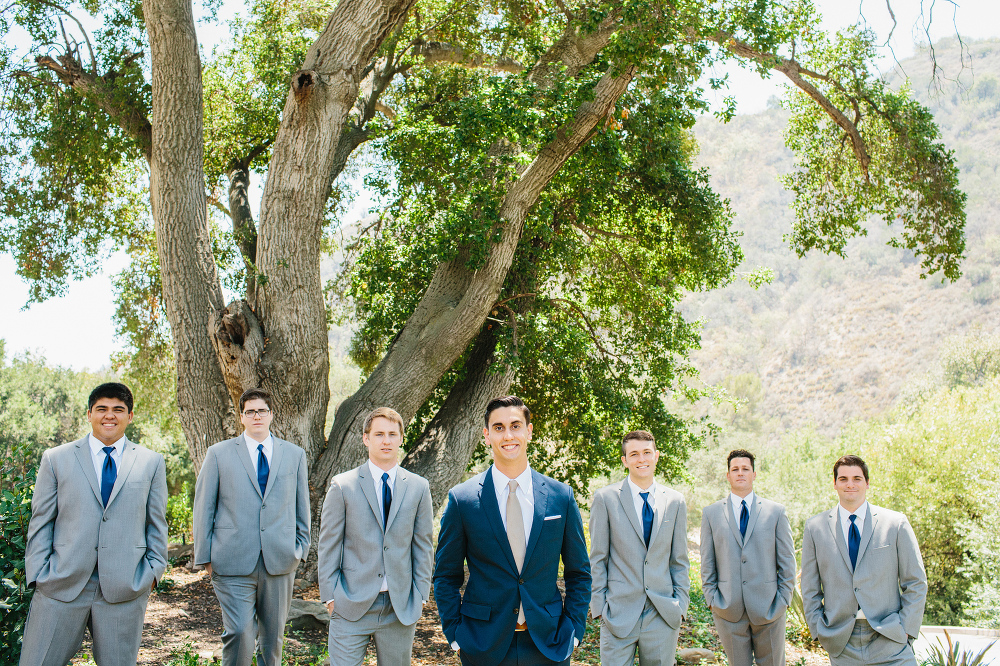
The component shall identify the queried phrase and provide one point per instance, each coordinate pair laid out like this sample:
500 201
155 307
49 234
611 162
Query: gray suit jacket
234 524
70 532
624 572
753 573
355 552
888 582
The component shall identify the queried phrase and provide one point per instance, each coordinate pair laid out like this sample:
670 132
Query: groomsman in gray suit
251 529
863 580
97 540
638 560
747 568
375 550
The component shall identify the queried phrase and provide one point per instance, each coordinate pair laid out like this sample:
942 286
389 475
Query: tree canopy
543 211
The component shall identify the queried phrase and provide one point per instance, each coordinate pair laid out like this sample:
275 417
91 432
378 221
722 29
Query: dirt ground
184 623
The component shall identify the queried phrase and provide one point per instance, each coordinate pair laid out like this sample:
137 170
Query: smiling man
251 529
97 540
511 525
863 580
639 562
375 550
747 568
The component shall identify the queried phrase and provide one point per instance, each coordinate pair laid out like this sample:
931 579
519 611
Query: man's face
640 459
850 485
508 435
383 440
108 419
256 423
741 476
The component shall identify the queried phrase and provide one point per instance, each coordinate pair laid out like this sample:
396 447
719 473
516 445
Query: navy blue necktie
108 475
262 469
853 542
647 517
386 500
744 519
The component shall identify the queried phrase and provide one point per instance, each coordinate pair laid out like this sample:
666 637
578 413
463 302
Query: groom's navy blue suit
483 621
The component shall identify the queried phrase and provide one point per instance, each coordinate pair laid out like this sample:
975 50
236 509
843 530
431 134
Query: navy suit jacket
483 620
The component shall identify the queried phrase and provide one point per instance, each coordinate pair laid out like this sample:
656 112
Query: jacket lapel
367 484
277 449
488 502
244 456
398 493
128 460
659 511
838 535
727 509
752 519
628 506
540 493
86 461
866 536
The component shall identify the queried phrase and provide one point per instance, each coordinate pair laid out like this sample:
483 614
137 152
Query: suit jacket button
380 575
104 519
515 611
263 506
744 560
262 529
520 581
385 547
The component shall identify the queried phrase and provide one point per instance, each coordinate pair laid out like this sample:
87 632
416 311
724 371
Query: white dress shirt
637 498
525 495
252 448
98 455
845 527
377 473
737 503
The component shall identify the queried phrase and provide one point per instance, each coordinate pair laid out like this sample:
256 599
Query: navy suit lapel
540 492
86 461
367 484
244 456
488 502
398 492
277 446
628 506
128 460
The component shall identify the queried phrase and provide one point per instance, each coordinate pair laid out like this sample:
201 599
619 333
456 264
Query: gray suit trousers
254 611
54 632
868 647
652 638
745 642
393 639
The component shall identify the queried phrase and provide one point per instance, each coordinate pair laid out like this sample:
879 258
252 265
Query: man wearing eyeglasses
251 530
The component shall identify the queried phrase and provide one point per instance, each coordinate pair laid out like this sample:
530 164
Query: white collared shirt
525 495
98 456
377 473
737 504
637 498
252 448
845 527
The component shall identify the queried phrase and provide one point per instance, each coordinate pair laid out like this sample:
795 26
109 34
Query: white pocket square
553 517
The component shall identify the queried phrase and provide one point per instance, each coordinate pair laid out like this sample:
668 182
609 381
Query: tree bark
191 288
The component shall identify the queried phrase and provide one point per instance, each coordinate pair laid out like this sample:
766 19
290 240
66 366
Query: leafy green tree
543 212
18 473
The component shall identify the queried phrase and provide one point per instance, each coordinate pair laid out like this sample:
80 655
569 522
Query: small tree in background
17 484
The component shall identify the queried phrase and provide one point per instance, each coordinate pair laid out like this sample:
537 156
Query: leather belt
523 626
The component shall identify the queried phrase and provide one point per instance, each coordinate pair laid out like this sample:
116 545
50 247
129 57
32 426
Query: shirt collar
636 489
861 513
252 443
377 472
96 445
737 501
501 480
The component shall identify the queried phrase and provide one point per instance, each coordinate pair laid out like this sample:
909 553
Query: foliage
179 513
18 472
953 655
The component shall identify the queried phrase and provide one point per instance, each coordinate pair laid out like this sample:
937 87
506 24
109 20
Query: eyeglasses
250 413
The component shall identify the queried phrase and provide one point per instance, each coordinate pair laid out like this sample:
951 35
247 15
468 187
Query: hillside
833 339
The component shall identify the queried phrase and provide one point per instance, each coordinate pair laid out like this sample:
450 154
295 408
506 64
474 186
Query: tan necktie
515 534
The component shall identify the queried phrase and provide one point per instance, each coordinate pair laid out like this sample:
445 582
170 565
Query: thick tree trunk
191 289
443 452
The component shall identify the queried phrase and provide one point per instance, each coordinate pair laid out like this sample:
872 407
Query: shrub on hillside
15 511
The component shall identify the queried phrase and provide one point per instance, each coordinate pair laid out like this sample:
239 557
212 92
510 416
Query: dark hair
740 453
506 401
115 390
850 461
641 435
255 394
387 413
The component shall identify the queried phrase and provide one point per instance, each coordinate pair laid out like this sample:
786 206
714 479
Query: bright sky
77 331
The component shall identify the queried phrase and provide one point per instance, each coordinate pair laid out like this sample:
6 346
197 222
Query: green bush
179 514
15 512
